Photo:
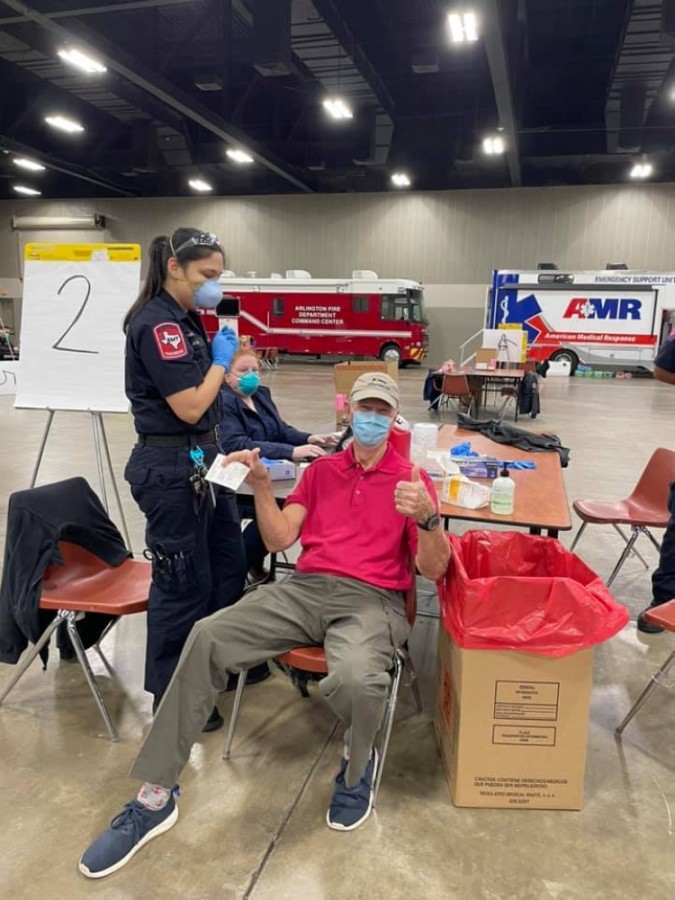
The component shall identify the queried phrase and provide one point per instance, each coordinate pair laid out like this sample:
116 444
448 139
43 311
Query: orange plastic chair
312 660
663 615
85 584
646 507
455 387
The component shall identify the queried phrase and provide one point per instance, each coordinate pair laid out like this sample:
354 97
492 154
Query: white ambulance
608 318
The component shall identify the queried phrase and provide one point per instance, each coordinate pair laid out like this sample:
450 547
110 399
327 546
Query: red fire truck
359 316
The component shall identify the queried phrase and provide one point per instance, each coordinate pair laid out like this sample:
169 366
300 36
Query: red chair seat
307 659
663 615
621 512
85 583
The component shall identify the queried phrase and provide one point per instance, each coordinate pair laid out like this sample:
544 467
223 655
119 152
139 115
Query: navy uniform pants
198 562
663 578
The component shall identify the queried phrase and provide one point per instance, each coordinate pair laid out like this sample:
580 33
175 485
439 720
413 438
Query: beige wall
450 240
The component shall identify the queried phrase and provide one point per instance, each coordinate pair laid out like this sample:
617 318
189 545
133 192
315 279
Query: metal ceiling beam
56 165
121 62
330 13
98 10
495 48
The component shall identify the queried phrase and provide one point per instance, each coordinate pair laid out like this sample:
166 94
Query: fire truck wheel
566 356
391 353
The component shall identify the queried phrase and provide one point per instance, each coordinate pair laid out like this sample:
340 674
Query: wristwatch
431 524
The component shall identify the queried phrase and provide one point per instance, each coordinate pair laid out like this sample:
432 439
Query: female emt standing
173 379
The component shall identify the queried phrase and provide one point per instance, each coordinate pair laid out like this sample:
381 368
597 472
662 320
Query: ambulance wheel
391 353
566 356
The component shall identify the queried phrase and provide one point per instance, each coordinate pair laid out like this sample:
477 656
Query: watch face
431 523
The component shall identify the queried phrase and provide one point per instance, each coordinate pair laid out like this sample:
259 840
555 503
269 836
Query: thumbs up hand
412 498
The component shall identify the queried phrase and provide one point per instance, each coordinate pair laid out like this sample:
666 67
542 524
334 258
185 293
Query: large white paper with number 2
72 344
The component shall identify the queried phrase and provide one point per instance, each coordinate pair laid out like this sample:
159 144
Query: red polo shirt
352 528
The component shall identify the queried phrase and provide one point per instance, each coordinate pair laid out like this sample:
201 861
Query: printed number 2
57 344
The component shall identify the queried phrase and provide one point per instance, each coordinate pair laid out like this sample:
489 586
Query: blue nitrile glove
223 347
520 464
463 450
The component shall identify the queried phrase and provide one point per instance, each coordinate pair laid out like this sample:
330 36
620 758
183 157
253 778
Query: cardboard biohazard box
347 373
512 727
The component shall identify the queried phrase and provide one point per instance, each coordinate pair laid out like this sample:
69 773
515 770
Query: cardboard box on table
512 727
347 373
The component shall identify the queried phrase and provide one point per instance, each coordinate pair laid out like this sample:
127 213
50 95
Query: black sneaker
255 675
128 832
350 807
214 721
648 627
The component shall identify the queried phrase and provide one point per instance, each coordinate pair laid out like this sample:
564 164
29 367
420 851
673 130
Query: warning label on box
527 700
523 735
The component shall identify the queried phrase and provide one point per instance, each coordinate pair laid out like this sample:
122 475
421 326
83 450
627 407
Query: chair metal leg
635 551
578 535
654 680
624 556
241 683
97 646
388 724
651 537
32 653
71 619
410 668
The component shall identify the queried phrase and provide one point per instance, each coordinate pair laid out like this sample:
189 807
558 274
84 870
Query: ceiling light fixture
64 124
493 146
239 156
463 27
28 164
641 170
337 108
82 61
198 184
29 192
400 179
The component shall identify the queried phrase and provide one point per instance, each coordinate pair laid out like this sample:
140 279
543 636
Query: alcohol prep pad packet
230 476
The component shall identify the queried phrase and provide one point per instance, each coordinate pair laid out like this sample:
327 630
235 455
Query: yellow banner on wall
45 252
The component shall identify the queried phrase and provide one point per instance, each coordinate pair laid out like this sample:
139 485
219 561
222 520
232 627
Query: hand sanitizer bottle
502 495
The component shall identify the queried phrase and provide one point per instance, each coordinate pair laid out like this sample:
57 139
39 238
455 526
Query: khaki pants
359 625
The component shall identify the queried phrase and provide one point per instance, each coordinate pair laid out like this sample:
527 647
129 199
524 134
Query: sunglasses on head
204 239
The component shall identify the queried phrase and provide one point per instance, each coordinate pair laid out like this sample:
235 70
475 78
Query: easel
101 448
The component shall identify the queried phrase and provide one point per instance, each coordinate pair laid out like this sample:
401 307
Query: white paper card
230 476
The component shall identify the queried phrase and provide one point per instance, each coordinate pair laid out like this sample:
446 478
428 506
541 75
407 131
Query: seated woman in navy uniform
251 420
173 381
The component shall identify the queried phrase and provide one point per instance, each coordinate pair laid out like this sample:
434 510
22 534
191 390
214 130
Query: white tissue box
280 469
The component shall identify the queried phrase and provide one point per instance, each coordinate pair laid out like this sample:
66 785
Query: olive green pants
360 627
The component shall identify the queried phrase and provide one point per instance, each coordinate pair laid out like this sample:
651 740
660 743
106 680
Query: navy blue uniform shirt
167 351
666 358
243 429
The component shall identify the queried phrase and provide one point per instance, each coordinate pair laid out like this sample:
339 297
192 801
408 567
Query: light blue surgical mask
370 428
248 383
209 294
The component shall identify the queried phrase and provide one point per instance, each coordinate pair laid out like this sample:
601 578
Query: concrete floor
254 827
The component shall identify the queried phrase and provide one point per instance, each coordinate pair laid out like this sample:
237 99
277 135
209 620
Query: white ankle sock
153 796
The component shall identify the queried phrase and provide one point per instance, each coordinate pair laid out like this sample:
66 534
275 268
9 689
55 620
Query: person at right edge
363 515
663 578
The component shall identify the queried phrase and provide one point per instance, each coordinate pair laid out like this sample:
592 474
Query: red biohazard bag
512 591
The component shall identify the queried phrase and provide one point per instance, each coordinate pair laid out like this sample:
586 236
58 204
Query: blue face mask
248 384
209 294
370 428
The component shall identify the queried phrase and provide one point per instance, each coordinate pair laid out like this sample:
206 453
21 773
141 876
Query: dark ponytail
161 250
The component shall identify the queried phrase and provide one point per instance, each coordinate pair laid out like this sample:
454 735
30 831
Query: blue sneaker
350 807
128 832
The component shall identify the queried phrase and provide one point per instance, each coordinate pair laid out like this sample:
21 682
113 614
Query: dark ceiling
581 89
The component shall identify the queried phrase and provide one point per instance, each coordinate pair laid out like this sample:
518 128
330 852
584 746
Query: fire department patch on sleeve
170 340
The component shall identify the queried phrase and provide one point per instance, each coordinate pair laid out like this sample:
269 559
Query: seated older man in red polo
362 516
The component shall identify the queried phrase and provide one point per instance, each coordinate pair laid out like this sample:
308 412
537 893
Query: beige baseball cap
373 385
